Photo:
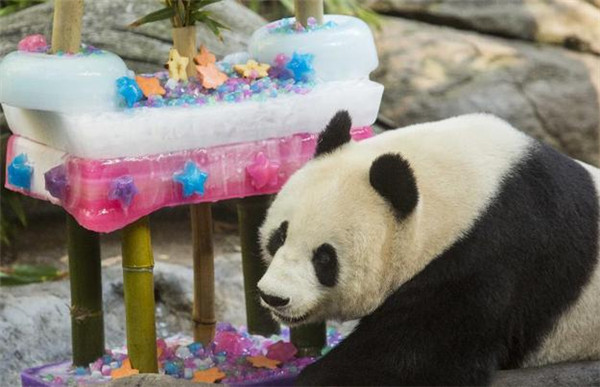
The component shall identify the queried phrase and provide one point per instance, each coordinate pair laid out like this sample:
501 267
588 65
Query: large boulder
571 23
145 48
433 72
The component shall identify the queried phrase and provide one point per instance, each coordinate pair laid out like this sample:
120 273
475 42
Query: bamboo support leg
203 314
138 284
251 213
309 339
87 321
308 8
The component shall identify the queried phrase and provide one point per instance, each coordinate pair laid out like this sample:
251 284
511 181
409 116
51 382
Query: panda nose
274 301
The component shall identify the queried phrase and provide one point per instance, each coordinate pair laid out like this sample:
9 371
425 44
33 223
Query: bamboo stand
251 213
184 41
138 284
66 25
308 8
87 323
203 314
309 339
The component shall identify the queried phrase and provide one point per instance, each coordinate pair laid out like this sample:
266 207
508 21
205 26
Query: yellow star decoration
210 375
263 362
176 65
124 371
252 69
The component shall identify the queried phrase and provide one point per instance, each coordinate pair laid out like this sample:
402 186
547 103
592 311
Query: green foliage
8 7
27 274
269 9
184 13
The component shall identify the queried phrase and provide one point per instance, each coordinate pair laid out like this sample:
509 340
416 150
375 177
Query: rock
35 321
144 49
585 373
433 72
574 23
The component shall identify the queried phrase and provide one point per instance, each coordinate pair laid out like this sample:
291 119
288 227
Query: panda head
331 234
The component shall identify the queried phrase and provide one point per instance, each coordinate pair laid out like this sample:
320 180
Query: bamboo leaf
17 207
26 274
161 14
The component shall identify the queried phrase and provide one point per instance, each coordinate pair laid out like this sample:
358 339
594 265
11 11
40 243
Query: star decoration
150 86
124 371
205 57
20 172
56 181
210 76
129 90
192 179
301 66
282 351
263 362
210 375
252 69
123 189
263 171
176 65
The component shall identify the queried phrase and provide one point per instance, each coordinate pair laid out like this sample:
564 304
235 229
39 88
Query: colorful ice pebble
150 86
33 43
177 65
129 90
252 69
282 351
192 179
19 172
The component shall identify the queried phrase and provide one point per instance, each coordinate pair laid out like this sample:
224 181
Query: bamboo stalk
309 339
203 314
251 213
184 40
66 25
308 8
87 323
138 284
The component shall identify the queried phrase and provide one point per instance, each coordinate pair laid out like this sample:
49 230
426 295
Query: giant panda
463 245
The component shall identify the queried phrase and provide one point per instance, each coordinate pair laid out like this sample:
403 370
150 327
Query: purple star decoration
123 189
56 181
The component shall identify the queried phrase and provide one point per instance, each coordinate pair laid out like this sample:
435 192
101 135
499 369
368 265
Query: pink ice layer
234 171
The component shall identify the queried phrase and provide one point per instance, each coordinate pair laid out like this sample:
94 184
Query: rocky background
534 63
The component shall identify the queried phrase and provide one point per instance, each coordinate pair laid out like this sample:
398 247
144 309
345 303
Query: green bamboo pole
308 8
251 213
87 324
203 313
138 284
309 339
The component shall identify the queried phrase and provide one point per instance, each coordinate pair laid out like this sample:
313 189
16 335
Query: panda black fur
467 246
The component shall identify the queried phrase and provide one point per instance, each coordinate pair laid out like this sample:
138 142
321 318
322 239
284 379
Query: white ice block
345 51
61 83
148 131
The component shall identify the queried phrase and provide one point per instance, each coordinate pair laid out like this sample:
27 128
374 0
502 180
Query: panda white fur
464 245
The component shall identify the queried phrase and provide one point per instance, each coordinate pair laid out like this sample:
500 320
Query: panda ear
392 177
336 134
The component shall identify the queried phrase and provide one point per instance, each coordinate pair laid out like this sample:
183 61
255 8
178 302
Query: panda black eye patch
325 262
277 238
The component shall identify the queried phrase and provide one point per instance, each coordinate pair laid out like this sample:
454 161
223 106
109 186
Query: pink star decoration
263 171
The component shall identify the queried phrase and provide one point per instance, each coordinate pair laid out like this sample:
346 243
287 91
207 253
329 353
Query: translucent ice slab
61 83
148 131
107 194
343 49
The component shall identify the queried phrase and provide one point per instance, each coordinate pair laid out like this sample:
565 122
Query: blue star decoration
192 179
301 66
20 172
129 90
